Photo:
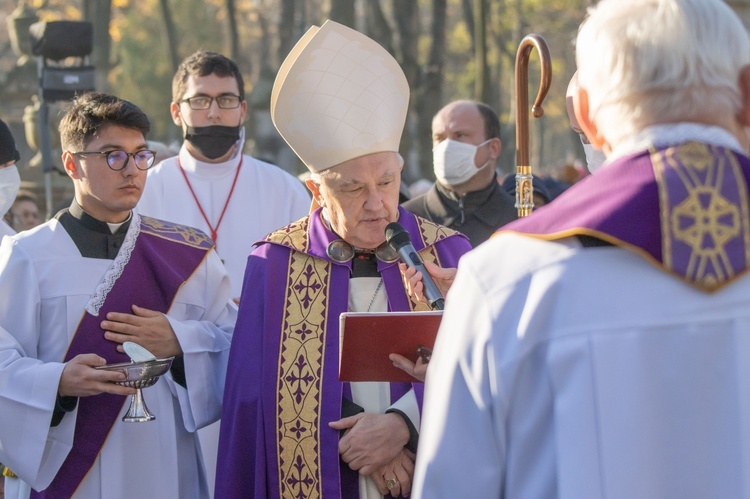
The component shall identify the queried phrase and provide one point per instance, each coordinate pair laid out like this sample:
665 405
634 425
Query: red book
366 339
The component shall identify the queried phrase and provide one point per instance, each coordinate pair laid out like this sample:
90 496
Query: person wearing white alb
74 289
601 347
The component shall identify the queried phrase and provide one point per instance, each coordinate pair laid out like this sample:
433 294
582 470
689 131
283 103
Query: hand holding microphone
400 241
442 277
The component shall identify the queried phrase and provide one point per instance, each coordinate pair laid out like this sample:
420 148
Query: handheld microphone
399 240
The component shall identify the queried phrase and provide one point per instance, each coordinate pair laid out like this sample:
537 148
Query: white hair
317 177
644 62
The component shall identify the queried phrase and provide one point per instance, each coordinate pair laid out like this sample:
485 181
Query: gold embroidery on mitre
293 236
189 236
704 219
301 357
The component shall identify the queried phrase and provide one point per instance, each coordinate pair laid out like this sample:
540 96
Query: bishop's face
360 197
103 193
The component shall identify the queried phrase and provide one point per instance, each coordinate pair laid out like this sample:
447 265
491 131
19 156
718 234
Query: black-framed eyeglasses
203 102
118 160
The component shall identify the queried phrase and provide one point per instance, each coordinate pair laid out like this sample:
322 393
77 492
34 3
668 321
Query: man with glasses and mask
212 185
466 196
93 277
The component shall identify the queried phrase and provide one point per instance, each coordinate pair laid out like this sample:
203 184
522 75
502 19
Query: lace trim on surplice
115 270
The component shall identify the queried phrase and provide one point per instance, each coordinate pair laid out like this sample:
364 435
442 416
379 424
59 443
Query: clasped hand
149 328
401 470
374 445
371 440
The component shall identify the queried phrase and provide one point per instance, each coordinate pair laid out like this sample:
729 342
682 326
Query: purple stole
163 258
684 208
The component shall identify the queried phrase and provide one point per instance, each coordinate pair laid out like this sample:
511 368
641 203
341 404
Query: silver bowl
139 375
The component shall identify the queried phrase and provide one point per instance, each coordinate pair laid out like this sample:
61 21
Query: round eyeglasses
203 102
117 160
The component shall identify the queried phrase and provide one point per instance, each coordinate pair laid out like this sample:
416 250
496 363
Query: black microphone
399 240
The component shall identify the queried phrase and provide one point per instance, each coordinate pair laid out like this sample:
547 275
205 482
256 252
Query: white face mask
10 182
594 157
454 161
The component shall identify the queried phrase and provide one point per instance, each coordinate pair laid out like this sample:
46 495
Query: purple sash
684 208
163 258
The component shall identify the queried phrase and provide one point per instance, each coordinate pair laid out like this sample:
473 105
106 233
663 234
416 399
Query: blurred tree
482 78
234 37
468 14
342 11
429 97
407 28
98 12
377 25
286 28
170 33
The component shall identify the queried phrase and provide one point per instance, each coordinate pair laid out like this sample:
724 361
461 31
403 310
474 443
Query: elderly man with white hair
602 349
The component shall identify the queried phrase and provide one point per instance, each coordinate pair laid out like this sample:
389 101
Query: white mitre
338 96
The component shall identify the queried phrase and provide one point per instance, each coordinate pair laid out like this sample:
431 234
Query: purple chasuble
282 385
162 259
683 208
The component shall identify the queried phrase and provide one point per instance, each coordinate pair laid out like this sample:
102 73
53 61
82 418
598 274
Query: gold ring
390 483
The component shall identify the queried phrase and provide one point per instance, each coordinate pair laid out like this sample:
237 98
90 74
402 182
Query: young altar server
78 286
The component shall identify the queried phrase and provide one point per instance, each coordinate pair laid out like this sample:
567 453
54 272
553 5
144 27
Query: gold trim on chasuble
301 354
702 218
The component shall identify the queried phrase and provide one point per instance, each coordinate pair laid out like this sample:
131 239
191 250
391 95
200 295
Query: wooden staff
524 179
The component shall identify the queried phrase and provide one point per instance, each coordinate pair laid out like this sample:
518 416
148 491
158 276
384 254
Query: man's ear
581 109
174 110
743 116
244 115
317 198
496 147
71 168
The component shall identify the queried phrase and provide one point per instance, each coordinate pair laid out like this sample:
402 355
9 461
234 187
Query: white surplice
562 371
265 198
46 286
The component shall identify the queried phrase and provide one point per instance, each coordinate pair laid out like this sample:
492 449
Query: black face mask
212 141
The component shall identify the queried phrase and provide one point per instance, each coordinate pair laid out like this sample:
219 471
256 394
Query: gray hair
317 177
644 62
